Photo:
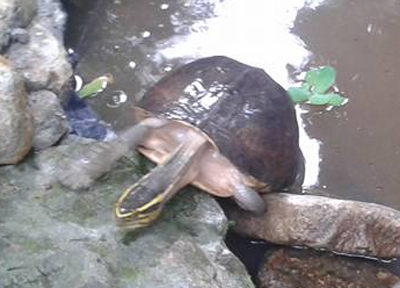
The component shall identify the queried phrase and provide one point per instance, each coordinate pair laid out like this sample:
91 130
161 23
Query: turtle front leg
80 170
133 136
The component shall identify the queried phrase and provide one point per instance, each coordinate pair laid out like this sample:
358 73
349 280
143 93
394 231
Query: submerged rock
53 237
290 268
49 118
16 128
342 226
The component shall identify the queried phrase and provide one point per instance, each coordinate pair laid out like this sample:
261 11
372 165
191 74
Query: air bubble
146 34
116 99
164 6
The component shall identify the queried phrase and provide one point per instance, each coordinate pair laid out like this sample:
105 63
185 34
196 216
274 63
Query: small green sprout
95 86
317 89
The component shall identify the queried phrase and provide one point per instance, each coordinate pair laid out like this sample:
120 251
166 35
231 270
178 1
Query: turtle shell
243 110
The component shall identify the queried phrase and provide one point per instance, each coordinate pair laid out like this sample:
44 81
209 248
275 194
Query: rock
31 35
14 14
290 268
53 237
16 129
49 119
37 50
52 16
342 226
38 53
20 35
24 11
42 62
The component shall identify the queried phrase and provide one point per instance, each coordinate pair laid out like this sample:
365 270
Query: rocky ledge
53 237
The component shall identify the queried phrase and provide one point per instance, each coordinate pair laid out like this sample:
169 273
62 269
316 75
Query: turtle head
138 207
141 204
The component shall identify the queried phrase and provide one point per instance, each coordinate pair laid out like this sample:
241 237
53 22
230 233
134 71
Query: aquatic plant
317 88
95 86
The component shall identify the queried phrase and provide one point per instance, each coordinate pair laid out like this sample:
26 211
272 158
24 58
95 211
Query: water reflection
254 32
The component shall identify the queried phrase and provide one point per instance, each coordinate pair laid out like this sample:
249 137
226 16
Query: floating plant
317 88
95 86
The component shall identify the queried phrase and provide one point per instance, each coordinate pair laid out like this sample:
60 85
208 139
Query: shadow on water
140 41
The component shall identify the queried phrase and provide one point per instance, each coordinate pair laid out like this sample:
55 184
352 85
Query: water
360 152
355 151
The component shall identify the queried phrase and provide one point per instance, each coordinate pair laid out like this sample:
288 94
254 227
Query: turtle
218 124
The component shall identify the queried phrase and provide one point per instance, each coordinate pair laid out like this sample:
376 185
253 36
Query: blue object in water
83 120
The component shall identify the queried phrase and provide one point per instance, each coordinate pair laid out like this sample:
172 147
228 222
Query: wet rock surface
54 237
42 61
38 53
15 15
49 118
290 268
342 226
16 128
31 39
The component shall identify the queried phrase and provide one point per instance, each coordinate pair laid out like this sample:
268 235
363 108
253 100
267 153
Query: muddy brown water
359 153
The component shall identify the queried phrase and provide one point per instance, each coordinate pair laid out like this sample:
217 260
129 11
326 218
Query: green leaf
319 99
96 86
298 95
336 100
305 86
321 79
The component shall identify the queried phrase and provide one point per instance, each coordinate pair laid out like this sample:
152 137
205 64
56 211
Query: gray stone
14 14
20 35
37 50
342 226
16 129
52 16
42 61
25 12
54 237
289 268
49 119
